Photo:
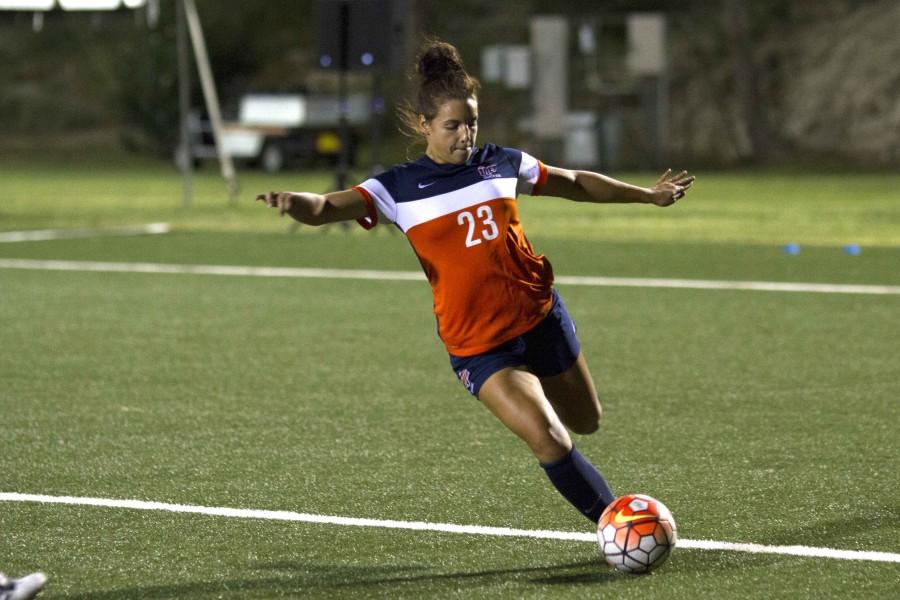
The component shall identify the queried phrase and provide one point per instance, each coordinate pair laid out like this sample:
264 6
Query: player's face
451 133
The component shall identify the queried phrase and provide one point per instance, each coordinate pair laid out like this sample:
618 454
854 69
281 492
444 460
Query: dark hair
439 76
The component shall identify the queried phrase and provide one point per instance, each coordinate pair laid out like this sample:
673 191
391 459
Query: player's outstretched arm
587 186
317 209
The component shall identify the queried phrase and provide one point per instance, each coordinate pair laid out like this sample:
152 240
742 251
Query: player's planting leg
516 397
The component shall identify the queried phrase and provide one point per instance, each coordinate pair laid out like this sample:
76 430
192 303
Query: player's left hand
669 188
283 201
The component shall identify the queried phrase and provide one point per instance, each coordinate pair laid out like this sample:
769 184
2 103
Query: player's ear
424 127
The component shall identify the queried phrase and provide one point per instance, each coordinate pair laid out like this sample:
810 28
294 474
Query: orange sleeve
541 180
371 219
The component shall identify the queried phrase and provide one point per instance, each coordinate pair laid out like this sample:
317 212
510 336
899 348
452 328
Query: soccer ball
636 533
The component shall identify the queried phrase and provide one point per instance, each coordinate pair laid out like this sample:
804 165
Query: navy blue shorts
548 349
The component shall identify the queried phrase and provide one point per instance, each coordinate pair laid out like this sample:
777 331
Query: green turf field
757 417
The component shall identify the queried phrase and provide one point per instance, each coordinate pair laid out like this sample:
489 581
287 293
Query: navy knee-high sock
580 483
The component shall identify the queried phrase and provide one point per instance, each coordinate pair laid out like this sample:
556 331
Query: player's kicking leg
574 397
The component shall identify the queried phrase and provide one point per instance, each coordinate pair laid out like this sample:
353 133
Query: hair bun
438 60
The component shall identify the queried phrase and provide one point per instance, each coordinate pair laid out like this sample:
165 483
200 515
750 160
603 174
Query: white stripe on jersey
410 214
529 172
384 202
416 212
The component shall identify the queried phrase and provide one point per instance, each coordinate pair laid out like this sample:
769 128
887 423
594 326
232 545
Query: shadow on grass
839 533
311 580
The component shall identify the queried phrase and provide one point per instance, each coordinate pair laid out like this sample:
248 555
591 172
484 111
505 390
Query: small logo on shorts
464 378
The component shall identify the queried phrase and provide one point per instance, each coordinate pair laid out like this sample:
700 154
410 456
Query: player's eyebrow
458 121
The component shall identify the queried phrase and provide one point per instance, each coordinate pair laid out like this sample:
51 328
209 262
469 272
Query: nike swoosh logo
620 518
422 186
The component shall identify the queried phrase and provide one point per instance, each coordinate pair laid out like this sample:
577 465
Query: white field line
229 270
755 286
39 235
299 272
279 515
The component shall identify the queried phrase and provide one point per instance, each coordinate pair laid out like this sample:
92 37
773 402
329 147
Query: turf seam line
279 515
40 235
380 275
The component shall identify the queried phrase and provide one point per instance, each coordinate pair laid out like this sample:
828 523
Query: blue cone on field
792 248
852 249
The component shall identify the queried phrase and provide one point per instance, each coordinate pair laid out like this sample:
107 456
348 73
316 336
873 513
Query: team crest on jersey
489 171
464 377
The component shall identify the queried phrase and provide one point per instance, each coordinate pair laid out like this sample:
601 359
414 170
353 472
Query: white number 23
486 217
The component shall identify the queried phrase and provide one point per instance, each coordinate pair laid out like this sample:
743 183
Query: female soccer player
510 338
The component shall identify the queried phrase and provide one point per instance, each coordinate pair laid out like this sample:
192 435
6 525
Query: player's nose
467 132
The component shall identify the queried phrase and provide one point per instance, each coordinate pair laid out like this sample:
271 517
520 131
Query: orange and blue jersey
462 221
